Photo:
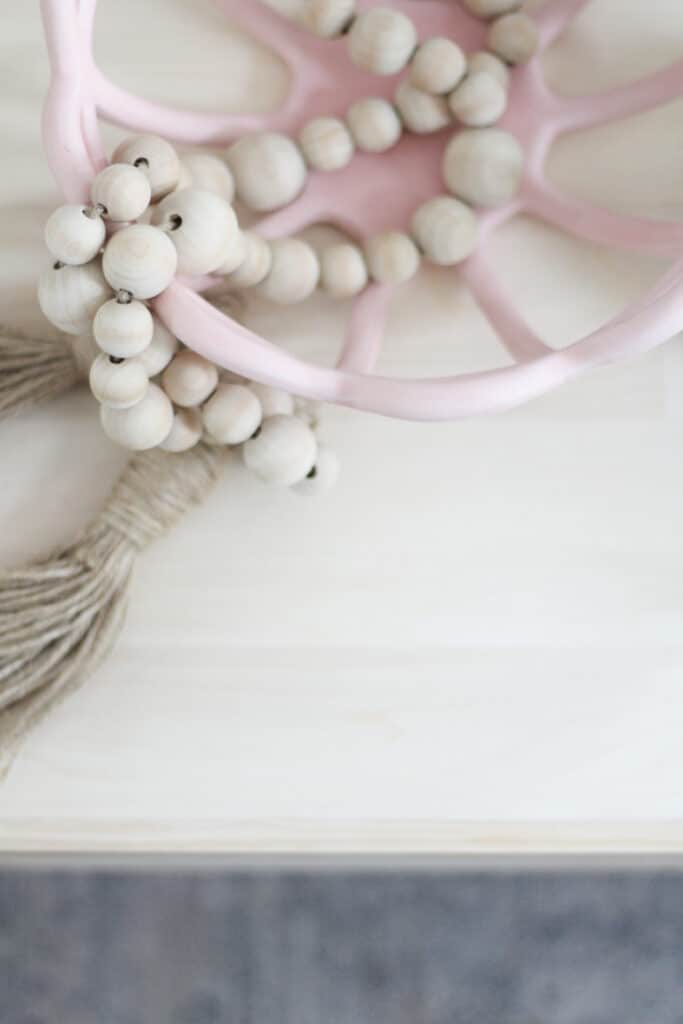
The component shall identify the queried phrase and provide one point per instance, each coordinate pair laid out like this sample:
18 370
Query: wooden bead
438 66
186 431
155 157
374 123
342 270
326 143
392 257
274 402
491 8
160 350
294 271
382 40
70 296
117 383
123 329
233 414
140 259
256 263
123 191
479 101
189 378
74 234
446 230
514 37
328 18
202 227
322 477
208 172
484 167
485 61
421 112
283 452
145 425
269 170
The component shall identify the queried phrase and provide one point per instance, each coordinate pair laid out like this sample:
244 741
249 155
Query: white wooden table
475 644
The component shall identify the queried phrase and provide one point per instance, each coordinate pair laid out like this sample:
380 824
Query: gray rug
341 949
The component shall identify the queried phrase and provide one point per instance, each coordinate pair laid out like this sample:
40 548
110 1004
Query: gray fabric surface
340 949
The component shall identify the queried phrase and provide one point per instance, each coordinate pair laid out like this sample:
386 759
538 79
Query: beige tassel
59 619
35 370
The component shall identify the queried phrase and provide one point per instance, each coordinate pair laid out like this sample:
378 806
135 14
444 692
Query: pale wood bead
74 234
208 172
382 40
491 8
189 378
484 167
123 191
274 401
234 254
144 425
479 101
268 169
160 350
485 61
375 124
328 18
446 230
392 257
202 227
438 66
155 157
70 296
118 383
343 272
294 271
233 414
256 264
326 144
282 452
186 431
514 37
322 477
421 112
123 329
140 259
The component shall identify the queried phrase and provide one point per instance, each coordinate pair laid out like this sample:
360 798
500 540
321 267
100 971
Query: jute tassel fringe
59 618
34 370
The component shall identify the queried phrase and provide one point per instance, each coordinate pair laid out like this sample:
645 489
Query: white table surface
474 644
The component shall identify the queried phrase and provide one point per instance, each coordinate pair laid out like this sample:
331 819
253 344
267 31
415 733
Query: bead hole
116 360
174 222
141 161
313 474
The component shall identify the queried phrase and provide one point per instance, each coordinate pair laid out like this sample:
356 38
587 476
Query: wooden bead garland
152 391
438 66
123 328
268 169
155 157
70 296
203 228
326 144
382 40
75 234
375 124
479 101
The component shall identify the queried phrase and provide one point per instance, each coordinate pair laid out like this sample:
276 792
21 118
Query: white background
475 642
